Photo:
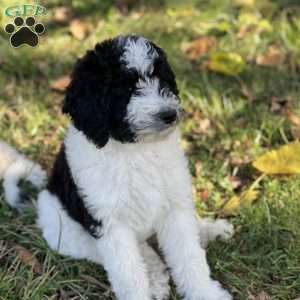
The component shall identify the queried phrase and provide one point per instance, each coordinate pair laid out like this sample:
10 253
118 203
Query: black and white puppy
121 177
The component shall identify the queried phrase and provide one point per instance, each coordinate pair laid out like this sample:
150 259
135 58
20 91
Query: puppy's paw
223 229
211 291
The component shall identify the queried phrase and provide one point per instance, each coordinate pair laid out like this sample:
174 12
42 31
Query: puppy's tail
14 167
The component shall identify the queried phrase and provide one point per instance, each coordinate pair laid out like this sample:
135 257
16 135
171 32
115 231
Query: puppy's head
123 89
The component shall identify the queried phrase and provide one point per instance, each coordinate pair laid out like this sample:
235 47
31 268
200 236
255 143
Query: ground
232 118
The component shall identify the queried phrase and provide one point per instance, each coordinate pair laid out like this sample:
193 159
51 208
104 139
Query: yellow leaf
246 198
265 25
285 160
248 18
181 11
233 205
228 63
244 2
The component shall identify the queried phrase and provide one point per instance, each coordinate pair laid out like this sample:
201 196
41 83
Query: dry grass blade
94 281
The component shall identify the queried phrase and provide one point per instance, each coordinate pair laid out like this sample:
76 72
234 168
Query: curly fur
121 177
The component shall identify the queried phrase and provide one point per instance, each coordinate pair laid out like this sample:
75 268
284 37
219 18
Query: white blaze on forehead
139 54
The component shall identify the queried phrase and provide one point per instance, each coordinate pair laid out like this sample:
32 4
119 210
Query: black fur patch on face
163 71
98 94
102 86
62 185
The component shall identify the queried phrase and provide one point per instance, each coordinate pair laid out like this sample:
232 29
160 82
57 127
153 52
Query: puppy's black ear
87 100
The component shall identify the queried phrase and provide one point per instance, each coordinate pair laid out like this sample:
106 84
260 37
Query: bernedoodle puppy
121 177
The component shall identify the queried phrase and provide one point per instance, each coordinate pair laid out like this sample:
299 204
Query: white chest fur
125 182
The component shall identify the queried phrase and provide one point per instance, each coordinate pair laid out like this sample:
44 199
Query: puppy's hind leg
158 273
62 233
210 230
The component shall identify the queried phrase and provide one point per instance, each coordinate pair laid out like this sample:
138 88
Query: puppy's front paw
223 229
211 291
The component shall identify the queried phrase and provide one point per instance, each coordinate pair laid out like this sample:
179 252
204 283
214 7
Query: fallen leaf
199 47
28 259
250 23
239 161
61 83
285 160
233 205
264 26
245 199
246 3
228 63
63 15
272 57
204 195
292 117
79 29
181 11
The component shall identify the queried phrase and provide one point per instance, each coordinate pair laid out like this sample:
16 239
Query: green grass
264 254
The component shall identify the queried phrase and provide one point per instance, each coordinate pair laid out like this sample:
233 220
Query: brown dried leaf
204 195
28 259
63 15
293 118
272 57
79 29
199 47
61 83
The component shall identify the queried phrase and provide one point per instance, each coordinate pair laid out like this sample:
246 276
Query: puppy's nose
168 116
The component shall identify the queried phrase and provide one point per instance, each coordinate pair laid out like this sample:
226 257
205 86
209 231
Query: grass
230 121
